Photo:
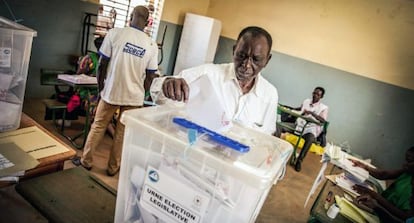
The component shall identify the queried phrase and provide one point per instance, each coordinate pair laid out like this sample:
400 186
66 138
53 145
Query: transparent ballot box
173 170
15 49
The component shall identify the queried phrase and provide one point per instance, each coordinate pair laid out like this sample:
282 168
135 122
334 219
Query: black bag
285 117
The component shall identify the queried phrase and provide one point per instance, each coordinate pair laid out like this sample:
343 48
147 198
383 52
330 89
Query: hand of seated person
306 112
362 190
358 163
366 202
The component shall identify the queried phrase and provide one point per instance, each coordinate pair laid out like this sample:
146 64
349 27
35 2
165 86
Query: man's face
250 56
316 95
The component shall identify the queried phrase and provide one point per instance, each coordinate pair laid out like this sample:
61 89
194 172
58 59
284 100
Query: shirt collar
135 27
231 75
314 104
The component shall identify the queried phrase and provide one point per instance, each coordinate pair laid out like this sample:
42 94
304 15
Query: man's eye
240 56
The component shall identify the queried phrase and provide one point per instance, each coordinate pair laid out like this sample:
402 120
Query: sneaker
111 173
77 162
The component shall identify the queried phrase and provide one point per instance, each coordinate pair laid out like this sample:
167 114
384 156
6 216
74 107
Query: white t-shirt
131 53
256 109
320 109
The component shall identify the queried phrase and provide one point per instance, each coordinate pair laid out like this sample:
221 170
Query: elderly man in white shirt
245 95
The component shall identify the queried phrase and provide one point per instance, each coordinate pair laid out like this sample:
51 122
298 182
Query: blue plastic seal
216 137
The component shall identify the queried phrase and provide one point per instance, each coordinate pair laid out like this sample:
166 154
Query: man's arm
149 77
378 173
378 203
101 72
320 117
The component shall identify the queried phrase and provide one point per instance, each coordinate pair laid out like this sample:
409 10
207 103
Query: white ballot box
173 173
15 48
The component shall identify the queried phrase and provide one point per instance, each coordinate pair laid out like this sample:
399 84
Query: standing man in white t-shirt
128 62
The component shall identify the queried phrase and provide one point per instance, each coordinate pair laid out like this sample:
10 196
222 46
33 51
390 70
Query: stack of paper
351 211
343 161
346 182
78 79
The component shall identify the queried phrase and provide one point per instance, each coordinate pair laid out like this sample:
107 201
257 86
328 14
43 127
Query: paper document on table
14 161
204 107
34 142
78 79
343 161
354 213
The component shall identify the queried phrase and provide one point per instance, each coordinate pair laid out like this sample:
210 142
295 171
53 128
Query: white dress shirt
256 109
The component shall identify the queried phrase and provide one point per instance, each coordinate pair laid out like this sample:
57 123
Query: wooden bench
48 77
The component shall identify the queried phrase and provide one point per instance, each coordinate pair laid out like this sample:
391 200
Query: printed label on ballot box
172 200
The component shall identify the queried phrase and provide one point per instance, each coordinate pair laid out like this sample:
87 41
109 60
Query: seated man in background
313 108
396 203
87 65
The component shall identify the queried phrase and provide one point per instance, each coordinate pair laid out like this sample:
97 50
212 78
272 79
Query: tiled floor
285 202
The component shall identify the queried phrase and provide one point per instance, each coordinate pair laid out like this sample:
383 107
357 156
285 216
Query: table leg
86 127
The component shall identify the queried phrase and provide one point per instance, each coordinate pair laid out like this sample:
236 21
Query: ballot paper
360 175
78 79
5 81
10 113
204 107
343 160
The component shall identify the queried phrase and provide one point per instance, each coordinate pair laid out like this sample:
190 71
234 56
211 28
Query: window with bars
116 13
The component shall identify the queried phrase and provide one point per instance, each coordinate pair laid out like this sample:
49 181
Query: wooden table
318 211
89 87
47 164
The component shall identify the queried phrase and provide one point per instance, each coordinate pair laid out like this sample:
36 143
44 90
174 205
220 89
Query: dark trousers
309 139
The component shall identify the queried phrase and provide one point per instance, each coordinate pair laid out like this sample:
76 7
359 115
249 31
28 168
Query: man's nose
248 62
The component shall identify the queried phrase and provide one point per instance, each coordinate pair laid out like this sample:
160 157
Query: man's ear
268 58
234 48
